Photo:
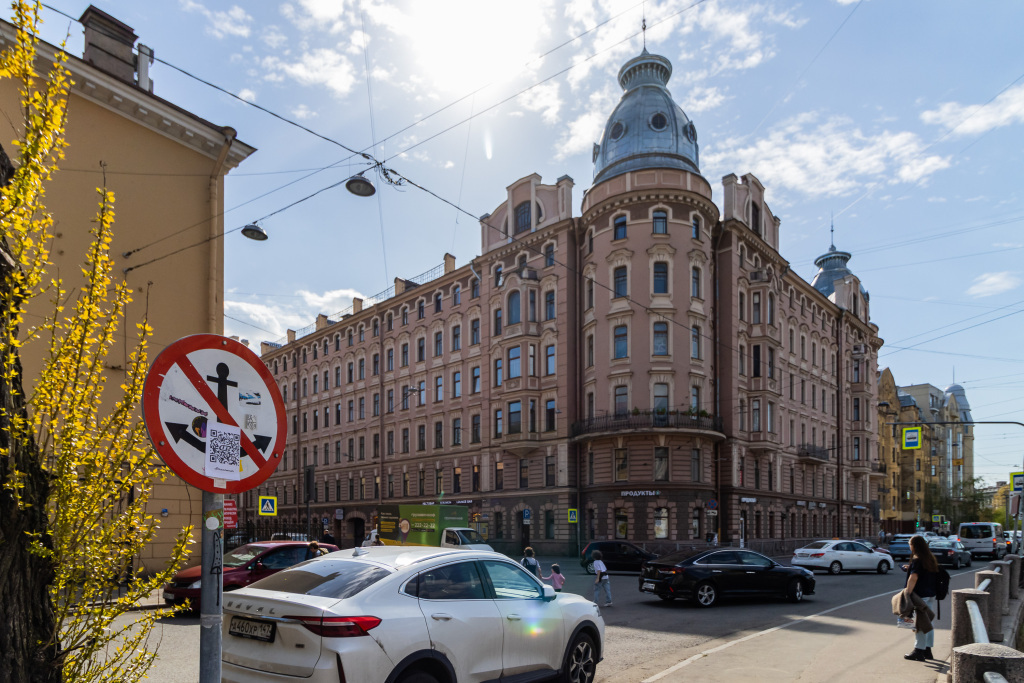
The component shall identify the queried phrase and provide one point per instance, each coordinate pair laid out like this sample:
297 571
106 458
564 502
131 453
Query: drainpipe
717 446
840 367
215 276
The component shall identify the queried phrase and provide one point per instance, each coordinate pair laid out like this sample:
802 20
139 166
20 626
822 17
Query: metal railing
646 420
809 450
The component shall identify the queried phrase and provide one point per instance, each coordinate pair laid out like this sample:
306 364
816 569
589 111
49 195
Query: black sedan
708 575
952 553
618 556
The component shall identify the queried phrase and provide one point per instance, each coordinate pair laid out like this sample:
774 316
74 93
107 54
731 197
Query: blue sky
903 119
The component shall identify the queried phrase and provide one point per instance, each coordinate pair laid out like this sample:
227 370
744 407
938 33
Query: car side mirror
549 593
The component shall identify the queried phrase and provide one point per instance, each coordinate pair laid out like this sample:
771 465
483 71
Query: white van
983 538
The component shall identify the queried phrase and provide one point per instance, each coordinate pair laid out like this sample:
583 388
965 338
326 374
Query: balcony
646 421
809 450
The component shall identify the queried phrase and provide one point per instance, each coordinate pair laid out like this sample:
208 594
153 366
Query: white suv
400 615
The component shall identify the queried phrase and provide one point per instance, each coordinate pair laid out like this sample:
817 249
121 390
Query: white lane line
723 646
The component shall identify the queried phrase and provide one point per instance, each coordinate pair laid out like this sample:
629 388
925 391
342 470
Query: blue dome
647 129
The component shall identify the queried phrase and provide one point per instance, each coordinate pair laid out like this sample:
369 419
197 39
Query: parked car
949 552
1009 536
705 576
983 539
899 548
407 615
871 544
242 566
841 555
618 556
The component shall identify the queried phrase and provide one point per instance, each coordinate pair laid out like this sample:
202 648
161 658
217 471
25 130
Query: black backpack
942 584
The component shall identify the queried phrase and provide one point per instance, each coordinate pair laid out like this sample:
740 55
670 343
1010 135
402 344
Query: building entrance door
524 531
358 531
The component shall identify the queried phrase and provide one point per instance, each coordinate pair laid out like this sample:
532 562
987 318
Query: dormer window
618 130
522 214
659 121
755 218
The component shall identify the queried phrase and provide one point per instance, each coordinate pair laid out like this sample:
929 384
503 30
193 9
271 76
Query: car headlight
196 584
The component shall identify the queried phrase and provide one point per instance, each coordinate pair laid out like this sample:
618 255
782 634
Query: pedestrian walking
530 562
328 537
881 536
602 580
923 581
556 578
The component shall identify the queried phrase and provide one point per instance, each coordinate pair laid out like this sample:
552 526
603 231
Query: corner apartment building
652 363
166 167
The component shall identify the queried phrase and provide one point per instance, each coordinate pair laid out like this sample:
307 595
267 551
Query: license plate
249 628
648 586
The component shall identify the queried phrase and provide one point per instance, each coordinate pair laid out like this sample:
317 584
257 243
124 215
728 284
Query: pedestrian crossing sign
268 505
572 515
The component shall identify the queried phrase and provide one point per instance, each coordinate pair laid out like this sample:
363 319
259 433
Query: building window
549 359
456 295
549 416
497 321
421 309
621 400
549 471
620 228
438 389
522 216
531 313
474 429
497 275
421 437
456 480
474 288
499 476
660 223
438 435
457 385
590 350
660 463
549 255
421 349
856 409
438 344
524 473
621 341
755 415
514 364
590 293
457 431
474 380
622 465
756 303
695 342
621 524
695 228
498 424
695 283
515 417
660 339
695 465
660 277
619 278
497 372
513 307
694 399
549 304
437 303
474 332
456 337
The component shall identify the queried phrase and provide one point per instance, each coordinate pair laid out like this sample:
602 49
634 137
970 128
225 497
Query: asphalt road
845 632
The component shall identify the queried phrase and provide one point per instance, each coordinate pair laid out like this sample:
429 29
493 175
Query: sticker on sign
214 413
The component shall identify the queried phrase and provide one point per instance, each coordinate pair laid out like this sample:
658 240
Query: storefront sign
638 493
802 503
748 500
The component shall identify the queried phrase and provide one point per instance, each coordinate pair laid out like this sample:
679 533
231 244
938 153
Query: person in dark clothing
922 579
328 538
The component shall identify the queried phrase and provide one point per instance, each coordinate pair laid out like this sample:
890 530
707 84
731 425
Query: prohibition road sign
214 413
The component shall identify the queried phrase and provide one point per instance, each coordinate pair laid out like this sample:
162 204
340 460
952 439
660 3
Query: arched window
771 308
620 228
497 275
456 296
695 228
522 213
513 307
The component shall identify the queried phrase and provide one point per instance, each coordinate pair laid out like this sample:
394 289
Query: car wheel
666 597
705 594
883 567
795 590
956 563
580 662
590 567
835 567
418 677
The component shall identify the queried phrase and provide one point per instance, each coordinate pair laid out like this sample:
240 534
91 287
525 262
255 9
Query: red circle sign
214 413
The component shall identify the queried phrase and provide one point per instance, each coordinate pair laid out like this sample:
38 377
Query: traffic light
917 525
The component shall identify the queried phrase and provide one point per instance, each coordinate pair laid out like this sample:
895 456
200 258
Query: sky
901 123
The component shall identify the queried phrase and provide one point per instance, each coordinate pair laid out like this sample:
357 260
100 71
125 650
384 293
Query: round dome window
618 130
659 122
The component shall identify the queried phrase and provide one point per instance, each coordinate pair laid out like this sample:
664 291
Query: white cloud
545 99
268 320
990 284
581 134
233 22
273 37
304 113
247 95
700 99
975 119
316 15
317 67
827 158
448 164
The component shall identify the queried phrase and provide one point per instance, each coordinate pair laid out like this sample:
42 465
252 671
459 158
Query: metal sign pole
211 615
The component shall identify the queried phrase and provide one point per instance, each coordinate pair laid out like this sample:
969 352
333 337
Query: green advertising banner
419 524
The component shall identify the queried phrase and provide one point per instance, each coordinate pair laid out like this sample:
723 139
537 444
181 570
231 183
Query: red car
242 566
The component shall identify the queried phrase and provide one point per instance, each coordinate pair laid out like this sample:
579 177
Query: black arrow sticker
181 432
260 442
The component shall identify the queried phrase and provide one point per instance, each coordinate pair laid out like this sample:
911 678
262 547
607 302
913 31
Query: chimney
109 44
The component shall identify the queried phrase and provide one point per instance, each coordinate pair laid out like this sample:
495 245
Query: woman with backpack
531 563
923 581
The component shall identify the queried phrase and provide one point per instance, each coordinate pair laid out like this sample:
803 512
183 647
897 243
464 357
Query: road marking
723 646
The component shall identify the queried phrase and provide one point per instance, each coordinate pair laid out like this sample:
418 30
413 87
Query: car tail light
817 554
672 570
339 627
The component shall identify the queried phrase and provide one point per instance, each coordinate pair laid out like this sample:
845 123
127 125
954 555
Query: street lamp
254 232
360 186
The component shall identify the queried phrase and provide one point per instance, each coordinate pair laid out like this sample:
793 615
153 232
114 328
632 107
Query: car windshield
940 544
981 531
241 556
326 578
817 545
471 536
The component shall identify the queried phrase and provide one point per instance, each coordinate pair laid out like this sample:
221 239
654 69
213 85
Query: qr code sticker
222 447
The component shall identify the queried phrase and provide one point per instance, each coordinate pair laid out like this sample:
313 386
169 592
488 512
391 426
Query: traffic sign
712 504
214 413
268 505
526 516
711 513
230 514
1017 478
911 438
572 515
